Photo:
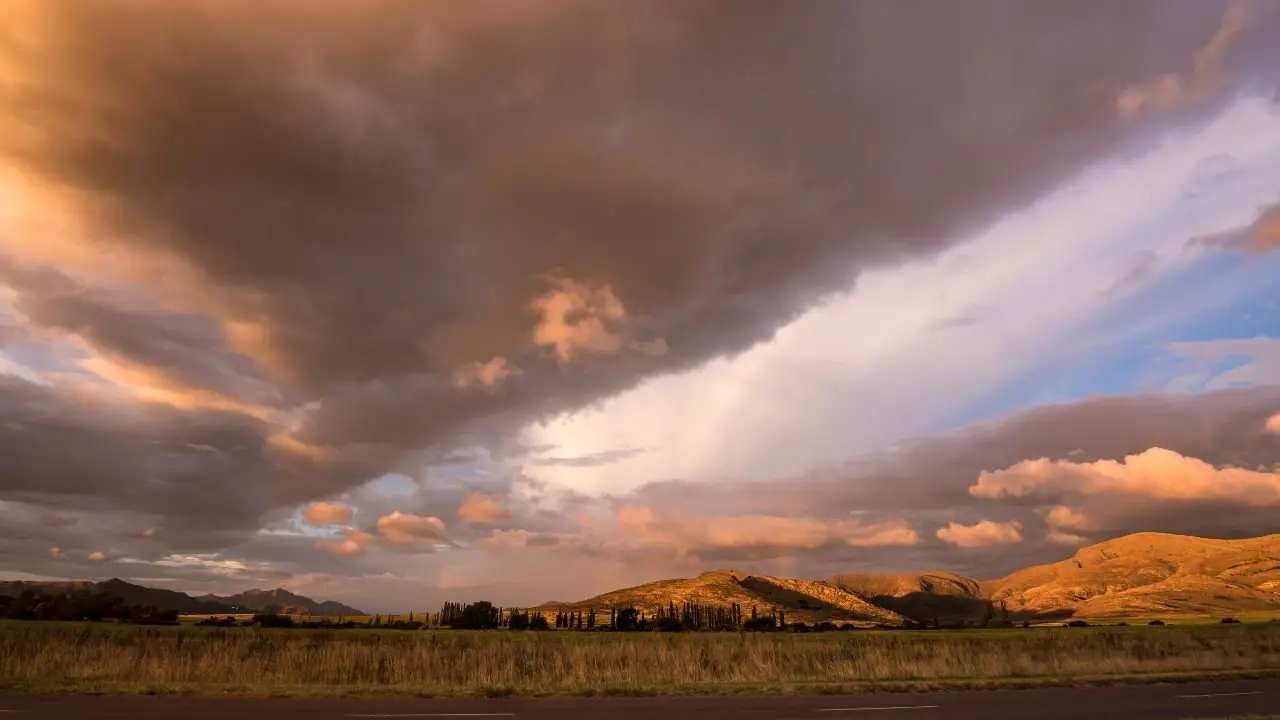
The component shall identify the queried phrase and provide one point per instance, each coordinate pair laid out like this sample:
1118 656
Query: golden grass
54 656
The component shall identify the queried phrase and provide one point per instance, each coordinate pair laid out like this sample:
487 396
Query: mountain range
251 601
1145 574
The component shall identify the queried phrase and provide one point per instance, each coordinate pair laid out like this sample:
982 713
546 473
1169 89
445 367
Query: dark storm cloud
381 193
183 351
367 197
192 466
199 479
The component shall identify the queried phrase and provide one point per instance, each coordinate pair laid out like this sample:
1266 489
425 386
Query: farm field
51 656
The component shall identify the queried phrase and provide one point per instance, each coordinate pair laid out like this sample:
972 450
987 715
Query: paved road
1131 703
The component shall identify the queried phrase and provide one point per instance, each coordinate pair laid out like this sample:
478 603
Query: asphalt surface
1199 700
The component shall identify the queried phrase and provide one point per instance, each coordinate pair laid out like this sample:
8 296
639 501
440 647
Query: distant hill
1151 574
288 602
253 600
14 588
932 597
801 600
164 599
1145 574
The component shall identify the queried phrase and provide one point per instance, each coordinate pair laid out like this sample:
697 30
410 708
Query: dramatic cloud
97 556
983 534
327 513
1273 424
482 509
1156 473
262 257
430 228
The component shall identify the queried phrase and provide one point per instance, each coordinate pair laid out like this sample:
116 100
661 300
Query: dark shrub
519 621
1156 623
477 616
272 620
1229 621
760 624
539 622
825 627
668 624
1077 623
626 619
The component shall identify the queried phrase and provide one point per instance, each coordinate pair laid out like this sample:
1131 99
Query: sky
409 301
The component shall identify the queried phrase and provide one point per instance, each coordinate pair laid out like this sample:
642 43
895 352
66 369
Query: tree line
80 605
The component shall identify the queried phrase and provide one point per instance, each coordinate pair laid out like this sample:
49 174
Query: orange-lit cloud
1207 78
983 534
1266 231
525 539
56 553
578 318
1066 525
1273 424
150 386
1156 473
482 509
351 544
327 513
97 556
488 374
400 528
394 530
744 531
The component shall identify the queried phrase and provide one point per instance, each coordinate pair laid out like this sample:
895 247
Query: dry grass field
244 661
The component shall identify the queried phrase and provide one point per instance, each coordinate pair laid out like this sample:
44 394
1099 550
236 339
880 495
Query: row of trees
690 616
79 605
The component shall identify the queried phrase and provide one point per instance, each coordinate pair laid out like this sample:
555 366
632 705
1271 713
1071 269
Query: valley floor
1220 701
247 662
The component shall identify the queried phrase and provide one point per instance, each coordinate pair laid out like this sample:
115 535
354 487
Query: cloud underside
254 256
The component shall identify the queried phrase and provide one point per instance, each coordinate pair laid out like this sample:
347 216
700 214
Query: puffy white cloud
985 533
1155 473
1065 525
399 528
